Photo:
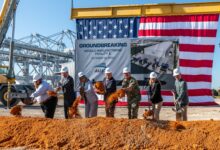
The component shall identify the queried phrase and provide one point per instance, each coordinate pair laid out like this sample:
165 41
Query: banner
93 56
158 56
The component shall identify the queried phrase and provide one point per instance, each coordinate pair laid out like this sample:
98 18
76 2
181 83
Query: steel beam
147 10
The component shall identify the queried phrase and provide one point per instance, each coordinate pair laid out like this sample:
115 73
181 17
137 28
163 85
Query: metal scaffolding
40 54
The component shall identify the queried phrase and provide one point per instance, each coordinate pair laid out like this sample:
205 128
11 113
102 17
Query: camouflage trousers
133 107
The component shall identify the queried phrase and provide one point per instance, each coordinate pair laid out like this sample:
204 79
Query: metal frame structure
168 9
40 54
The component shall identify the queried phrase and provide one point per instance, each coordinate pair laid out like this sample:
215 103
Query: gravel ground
194 113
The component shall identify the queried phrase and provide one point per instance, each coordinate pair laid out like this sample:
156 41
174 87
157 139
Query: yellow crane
10 93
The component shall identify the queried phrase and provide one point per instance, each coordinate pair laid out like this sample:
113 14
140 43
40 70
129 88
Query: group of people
181 99
88 93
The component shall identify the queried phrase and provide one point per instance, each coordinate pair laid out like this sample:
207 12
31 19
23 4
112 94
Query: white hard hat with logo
153 75
37 77
107 70
64 69
125 70
80 74
176 72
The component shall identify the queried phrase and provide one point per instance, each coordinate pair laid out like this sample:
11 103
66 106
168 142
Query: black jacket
110 87
155 93
68 90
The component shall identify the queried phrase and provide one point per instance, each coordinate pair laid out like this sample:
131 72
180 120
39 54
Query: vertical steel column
11 75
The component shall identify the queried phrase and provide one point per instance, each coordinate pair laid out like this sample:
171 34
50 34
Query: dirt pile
107 133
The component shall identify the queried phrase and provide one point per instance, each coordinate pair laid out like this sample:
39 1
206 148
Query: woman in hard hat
48 103
88 94
155 95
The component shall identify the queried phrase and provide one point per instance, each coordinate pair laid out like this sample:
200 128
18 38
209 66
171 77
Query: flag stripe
193 99
197 78
196 71
186 18
198 85
187 39
195 92
195 63
178 25
196 56
179 32
197 48
165 103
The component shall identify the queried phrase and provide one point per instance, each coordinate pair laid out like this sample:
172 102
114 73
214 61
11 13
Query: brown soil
148 113
16 110
99 86
73 111
52 93
107 133
113 98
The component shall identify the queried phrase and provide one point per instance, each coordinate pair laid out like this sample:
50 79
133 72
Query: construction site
144 38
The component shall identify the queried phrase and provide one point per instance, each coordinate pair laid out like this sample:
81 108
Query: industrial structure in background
39 54
20 59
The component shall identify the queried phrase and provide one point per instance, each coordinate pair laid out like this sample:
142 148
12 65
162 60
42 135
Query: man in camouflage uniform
130 85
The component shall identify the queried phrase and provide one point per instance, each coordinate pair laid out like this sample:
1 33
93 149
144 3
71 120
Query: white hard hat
107 70
176 72
125 70
80 74
37 77
64 69
153 75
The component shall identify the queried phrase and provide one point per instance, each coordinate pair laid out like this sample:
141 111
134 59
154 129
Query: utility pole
11 75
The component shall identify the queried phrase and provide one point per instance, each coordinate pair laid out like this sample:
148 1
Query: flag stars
104 36
105 27
131 21
114 36
100 32
115 27
94 27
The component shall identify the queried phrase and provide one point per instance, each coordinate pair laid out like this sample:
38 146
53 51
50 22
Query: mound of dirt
107 133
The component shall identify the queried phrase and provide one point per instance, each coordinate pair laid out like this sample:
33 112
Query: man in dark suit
110 87
155 95
67 85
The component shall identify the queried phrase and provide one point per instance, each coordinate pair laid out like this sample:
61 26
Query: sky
52 16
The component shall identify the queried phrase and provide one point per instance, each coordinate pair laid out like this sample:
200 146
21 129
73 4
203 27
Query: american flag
196 35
